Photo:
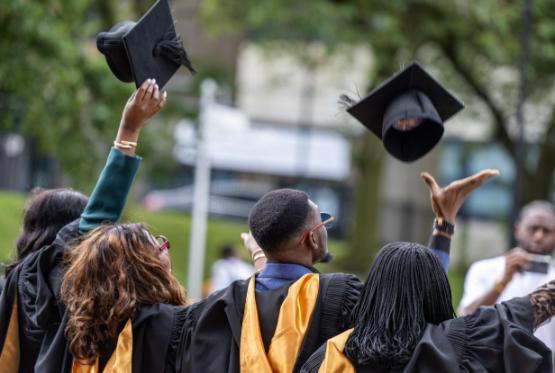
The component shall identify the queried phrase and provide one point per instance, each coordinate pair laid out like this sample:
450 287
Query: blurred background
264 106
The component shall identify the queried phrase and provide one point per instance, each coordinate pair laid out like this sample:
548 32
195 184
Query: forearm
440 243
543 303
109 196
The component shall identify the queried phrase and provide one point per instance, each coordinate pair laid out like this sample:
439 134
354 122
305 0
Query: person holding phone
521 270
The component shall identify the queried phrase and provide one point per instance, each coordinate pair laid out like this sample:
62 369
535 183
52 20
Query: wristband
444 226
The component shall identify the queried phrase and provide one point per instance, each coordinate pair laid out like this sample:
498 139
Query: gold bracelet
120 145
130 143
259 256
256 252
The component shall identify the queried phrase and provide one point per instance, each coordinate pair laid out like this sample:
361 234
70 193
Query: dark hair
278 216
46 213
112 272
406 289
536 205
227 252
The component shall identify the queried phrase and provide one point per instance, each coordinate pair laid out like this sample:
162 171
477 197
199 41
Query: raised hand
257 255
446 201
143 104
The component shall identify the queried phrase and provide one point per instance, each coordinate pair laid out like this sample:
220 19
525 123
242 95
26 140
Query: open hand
446 201
143 104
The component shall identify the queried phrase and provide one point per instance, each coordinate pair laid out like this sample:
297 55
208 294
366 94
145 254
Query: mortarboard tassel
172 49
345 102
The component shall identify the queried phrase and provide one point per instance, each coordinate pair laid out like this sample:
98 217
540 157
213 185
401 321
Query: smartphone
539 263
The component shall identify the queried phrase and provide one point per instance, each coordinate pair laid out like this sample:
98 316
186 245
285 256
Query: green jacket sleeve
108 198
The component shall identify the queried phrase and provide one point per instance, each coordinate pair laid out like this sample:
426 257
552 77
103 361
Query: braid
406 289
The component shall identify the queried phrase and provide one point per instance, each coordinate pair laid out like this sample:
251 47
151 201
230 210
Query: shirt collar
285 271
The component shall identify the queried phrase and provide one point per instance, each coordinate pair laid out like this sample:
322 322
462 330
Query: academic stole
293 321
121 359
9 358
335 360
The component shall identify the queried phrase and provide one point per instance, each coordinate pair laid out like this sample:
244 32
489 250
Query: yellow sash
121 359
334 359
293 321
9 357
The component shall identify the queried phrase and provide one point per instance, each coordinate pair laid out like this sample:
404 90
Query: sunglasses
326 221
163 242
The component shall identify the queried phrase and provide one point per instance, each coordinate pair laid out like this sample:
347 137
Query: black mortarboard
407 112
149 48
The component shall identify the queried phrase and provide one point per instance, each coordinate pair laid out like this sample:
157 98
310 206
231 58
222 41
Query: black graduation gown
492 339
35 283
211 332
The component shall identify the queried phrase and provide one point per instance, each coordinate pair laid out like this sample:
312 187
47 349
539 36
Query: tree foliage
469 42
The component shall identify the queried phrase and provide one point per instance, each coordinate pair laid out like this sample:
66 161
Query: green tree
468 41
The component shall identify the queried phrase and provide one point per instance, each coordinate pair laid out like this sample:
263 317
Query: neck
294 255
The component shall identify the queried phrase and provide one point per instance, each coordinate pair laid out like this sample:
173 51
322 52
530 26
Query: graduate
404 322
31 312
275 320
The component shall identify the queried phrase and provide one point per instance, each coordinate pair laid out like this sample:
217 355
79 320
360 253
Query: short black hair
536 205
278 216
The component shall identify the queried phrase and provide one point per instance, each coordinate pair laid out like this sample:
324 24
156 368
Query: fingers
141 92
430 181
162 102
150 90
484 175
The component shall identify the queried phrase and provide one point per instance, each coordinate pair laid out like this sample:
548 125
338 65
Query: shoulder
486 265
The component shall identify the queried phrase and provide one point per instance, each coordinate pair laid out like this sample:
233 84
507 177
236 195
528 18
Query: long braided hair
406 288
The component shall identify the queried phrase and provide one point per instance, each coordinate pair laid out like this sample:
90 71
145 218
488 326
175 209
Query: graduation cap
407 112
149 48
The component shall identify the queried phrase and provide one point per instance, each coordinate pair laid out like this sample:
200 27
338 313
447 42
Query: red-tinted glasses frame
164 243
326 220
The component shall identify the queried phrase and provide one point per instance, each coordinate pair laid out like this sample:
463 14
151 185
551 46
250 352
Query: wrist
442 225
500 285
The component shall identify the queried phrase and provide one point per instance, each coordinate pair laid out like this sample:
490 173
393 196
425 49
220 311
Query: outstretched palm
446 201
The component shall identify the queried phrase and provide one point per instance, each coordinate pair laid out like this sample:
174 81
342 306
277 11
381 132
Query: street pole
520 148
201 195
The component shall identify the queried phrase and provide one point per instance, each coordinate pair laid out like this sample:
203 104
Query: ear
312 243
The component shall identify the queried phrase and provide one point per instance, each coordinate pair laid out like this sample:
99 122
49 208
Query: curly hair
114 271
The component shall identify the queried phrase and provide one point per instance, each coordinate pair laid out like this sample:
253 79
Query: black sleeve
181 331
500 338
312 365
340 298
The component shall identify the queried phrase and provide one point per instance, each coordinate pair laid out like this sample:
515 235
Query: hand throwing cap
149 48
407 112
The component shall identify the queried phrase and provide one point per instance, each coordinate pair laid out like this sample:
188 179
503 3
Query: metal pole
522 92
201 195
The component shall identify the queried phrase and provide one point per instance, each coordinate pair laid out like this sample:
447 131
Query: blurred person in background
521 270
230 267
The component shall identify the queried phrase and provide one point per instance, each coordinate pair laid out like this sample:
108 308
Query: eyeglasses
164 243
326 221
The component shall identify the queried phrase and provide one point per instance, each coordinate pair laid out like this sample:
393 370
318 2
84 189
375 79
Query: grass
175 226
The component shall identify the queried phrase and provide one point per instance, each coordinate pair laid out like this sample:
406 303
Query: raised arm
446 203
108 198
543 303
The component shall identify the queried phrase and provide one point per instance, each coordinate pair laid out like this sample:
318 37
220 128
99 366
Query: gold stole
293 321
334 359
121 359
9 357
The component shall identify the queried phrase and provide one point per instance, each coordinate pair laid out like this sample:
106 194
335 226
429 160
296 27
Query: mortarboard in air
407 112
148 48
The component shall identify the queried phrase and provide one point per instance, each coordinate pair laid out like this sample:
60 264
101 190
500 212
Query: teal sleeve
108 198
